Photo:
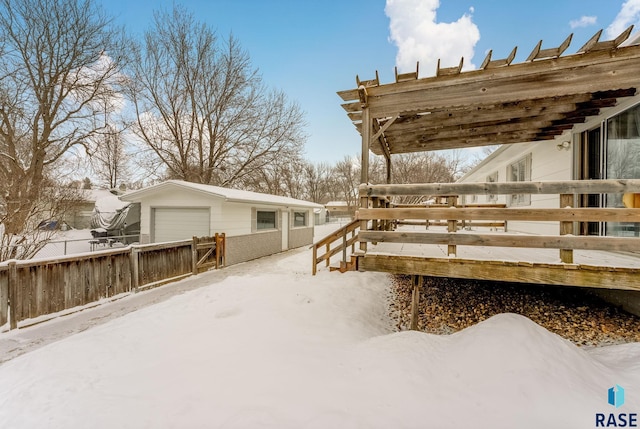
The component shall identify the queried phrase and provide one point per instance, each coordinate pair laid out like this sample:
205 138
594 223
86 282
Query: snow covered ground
266 345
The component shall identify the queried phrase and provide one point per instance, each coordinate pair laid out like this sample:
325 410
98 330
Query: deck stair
341 241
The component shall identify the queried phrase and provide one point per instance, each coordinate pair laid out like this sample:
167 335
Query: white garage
254 224
179 223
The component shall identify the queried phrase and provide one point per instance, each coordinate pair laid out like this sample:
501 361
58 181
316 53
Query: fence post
223 241
194 256
13 295
566 255
135 266
216 253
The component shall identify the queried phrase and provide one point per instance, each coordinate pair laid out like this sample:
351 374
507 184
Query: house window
299 219
470 199
492 178
265 220
520 171
622 162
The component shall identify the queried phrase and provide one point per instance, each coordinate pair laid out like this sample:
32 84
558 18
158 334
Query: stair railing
341 235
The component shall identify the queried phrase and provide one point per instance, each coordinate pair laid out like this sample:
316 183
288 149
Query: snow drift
267 345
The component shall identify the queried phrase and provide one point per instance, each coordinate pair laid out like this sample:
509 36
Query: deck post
328 260
314 267
375 203
364 165
452 225
566 255
415 301
344 247
364 203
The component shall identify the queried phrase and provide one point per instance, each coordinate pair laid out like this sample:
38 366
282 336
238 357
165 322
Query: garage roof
499 103
231 195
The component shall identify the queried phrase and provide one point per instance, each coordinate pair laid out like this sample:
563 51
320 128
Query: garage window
265 220
299 219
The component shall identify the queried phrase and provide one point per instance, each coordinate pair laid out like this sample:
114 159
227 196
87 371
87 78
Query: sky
311 49
265 344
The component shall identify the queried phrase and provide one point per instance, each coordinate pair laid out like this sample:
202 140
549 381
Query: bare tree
346 176
61 60
318 182
203 110
109 158
420 167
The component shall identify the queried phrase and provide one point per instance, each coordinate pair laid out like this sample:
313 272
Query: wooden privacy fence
34 288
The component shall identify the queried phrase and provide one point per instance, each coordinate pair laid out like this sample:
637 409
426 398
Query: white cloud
419 37
629 14
584 21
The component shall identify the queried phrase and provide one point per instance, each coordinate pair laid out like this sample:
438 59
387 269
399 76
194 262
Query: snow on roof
337 203
93 195
231 195
110 204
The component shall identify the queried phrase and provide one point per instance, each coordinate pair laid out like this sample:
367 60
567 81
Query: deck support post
415 301
364 165
388 159
452 225
566 255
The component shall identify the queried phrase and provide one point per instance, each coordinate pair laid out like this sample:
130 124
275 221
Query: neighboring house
80 216
339 209
604 147
320 215
255 224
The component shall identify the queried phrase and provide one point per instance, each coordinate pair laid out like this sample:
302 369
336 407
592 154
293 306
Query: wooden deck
507 254
562 259
590 268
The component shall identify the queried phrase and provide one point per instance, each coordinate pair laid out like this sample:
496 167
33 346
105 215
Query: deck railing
566 214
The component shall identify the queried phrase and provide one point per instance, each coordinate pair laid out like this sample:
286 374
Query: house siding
242 248
235 218
547 164
299 237
176 199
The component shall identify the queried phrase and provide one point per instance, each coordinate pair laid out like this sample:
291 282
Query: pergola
499 103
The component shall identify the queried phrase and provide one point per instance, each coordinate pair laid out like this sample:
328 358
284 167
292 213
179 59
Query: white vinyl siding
492 178
178 223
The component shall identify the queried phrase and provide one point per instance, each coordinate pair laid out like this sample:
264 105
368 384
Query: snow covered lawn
266 345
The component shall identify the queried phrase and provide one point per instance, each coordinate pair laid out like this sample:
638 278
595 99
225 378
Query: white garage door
173 224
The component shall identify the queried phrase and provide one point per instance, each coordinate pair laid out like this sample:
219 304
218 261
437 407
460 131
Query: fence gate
209 252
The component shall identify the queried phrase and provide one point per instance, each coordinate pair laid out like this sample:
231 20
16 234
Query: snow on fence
35 288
